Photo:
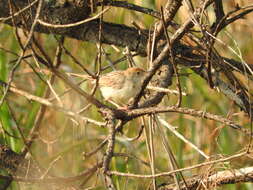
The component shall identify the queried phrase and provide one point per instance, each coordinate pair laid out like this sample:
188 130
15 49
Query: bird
121 86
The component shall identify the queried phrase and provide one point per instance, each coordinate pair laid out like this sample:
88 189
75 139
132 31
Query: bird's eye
138 72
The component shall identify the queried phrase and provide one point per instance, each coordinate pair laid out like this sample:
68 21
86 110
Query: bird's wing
114 79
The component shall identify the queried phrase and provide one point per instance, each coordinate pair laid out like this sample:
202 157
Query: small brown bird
120 86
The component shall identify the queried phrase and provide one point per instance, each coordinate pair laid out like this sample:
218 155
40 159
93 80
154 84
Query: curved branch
130 6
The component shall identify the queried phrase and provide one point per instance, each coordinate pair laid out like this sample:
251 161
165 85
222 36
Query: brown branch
119 35
226 19
129 6
196 113
111 139
218 9
49 25
171 8
9 160
232 176
233 157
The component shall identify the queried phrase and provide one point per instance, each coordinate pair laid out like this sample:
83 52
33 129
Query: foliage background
63 140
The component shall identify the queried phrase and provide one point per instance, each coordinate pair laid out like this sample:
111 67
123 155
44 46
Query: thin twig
72 24
235 156
127 5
